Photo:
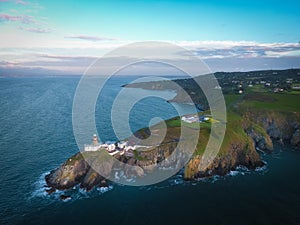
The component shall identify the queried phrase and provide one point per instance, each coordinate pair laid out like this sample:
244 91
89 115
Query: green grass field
254 99
257 88
286 102
295 92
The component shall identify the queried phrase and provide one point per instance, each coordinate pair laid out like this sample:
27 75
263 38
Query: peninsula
262 107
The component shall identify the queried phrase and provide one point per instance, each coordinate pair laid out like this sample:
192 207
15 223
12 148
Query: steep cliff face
161 154
281 126
260 127
84 169
295 141
244 134
79 170
261 139
237 153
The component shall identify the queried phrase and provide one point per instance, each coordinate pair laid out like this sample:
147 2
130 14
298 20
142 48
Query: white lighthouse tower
95 140
94 146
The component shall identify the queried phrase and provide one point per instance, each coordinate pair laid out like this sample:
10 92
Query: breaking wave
40 191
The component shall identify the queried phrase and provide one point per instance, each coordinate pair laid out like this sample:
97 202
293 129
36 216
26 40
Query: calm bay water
36 136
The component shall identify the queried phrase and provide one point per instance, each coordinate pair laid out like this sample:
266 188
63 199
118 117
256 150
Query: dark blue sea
36 136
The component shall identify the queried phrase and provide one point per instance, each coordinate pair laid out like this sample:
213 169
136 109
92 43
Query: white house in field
190 118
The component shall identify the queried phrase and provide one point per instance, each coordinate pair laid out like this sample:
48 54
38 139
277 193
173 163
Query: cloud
36 30
8 64
219 56
11 18
231 49
91 38
20 2
68 57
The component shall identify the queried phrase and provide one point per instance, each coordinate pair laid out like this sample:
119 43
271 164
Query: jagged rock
91 179
77 170
258 129
69 174
131 161
261 139
237 155
103 183
137 171
65 197
50 191
104 168
295 140
278 125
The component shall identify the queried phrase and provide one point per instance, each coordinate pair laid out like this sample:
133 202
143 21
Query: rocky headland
251 132
254 121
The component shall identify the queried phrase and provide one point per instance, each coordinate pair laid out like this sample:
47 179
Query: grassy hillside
284 102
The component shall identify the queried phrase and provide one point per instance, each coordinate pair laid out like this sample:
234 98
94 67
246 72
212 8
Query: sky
50 36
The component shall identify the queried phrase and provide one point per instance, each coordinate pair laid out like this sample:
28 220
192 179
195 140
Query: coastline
249 126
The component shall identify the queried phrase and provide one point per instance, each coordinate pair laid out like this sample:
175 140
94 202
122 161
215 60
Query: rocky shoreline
261 128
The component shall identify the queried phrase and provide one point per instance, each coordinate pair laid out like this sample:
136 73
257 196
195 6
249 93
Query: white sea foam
242 168
104 189
262 169
39 187
176 180
117 175
74 193
166 168
235 173
261 151
79 193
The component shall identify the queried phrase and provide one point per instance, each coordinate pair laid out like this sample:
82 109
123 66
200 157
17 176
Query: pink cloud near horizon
20 2
11 18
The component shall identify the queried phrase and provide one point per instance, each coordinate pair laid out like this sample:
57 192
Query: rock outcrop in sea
74 171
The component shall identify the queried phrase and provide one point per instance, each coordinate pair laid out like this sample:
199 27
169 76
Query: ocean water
36 136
